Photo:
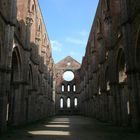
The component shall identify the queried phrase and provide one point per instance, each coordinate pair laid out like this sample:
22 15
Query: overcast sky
68 24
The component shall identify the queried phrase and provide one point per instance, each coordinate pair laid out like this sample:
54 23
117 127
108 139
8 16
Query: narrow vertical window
74 88
128 107
68 103
68 88
63 88
75 102
7 115
61 102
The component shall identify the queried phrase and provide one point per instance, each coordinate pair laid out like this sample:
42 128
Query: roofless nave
106 86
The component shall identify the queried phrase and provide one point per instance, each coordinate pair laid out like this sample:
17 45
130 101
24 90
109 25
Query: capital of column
29 20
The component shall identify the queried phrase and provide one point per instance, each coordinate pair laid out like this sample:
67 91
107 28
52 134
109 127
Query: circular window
68 76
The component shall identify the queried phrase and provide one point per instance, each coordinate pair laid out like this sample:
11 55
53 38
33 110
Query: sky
68 24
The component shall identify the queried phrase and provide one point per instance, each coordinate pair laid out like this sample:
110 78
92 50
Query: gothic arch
75 102
121 66
16 65
68 102
63 88
107 79
15 81
61 102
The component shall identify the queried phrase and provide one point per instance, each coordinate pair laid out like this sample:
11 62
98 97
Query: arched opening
128 107
68 103
15 78
99 87
121 67
62 88
61 103
75 102
74 88
98 26
68 88
99 91
107 80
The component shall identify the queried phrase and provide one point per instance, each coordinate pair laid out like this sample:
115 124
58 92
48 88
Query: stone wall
26 64
110 86
67 89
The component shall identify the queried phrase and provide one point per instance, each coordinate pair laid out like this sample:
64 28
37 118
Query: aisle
71 128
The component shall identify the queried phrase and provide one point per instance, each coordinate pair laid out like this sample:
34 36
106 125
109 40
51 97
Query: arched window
122 67
63 88
61 103
108 85
74 88
75 102
98 26
68 89
68 102
128 107
107 79
99 91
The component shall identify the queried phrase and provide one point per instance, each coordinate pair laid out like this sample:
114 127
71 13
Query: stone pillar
5 73
134 94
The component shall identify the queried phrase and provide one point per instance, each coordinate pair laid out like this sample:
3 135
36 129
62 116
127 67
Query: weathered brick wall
25 61
67 64
112 45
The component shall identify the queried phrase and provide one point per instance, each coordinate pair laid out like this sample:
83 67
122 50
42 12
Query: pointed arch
61 102
74 88
15 79
98 26
68 88
63 88
121 66
107 79
68 102
16 65
75 102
